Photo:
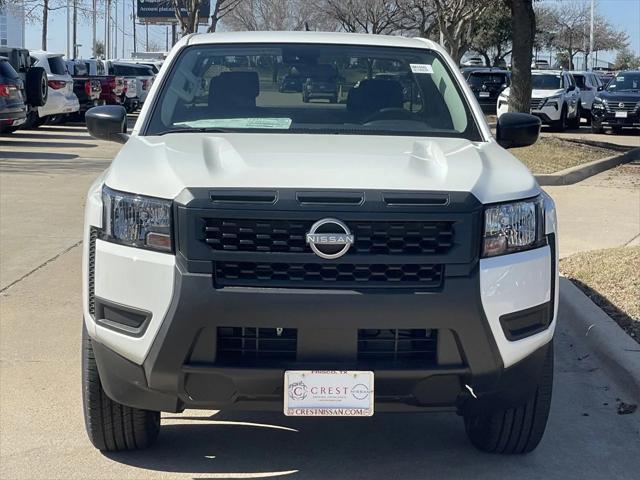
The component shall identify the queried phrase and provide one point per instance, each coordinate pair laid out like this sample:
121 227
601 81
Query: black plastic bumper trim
121 318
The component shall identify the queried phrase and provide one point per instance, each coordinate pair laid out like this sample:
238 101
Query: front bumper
609 119
180 368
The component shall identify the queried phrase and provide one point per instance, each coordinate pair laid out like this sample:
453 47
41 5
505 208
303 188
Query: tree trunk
45 21
523 26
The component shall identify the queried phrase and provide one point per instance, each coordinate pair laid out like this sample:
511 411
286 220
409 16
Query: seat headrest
372 95
236 89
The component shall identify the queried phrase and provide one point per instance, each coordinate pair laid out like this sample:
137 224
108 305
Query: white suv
248 250
61 100
555 99
589 84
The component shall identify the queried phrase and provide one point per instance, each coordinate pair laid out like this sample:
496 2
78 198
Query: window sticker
619 79
266 123
421 68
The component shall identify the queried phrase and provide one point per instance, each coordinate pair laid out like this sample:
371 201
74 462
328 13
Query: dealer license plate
309 393
621 114
485 94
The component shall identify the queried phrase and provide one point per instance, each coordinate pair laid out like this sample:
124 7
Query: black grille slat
371 238
93 235
327 274
249 344
414 346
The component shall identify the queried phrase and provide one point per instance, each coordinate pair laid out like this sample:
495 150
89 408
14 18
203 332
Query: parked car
87 88
589 84
13 110
155 65
555 99
113 86
540 64
61 100
473 62
34 79
291 83
321 83
487 85
143 76
618 106
342 260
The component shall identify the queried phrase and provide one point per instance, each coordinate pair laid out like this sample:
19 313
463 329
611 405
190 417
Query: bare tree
566 29
221 10
418 17
456 20
366 16
187 13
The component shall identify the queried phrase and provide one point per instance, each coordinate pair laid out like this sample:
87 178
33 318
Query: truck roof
311 37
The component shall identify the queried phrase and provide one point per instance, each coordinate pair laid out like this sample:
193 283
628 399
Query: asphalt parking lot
44 175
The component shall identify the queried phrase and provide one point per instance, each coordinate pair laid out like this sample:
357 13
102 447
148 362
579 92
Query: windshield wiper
193 130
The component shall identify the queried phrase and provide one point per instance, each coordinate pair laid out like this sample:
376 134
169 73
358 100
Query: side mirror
517 130
108 122
601 88
571 88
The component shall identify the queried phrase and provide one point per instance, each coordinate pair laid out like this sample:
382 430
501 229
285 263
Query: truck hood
537 93
163 166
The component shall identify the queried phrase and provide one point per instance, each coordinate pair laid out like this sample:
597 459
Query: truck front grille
416 346
536 103
289 236
248 344
628 107
328 275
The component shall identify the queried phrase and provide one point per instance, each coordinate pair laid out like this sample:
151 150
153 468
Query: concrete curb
578 173
619 354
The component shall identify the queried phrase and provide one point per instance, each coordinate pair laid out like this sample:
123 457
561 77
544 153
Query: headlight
137 221
551 101
512 227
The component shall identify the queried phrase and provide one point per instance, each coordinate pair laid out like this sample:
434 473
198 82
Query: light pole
590 67
68 32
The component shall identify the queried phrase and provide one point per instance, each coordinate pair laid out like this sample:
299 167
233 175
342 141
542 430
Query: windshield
546 82
625 81
57 66
478 79
307 88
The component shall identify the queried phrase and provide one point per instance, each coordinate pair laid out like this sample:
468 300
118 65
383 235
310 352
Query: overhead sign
163 11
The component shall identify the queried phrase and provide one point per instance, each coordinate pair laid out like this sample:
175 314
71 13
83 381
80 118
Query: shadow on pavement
49 163
44 136
261 444
18 143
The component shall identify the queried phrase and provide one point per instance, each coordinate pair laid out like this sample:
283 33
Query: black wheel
560 125
596 127
110 425
6 130
586 114
305 99
515 430
37 87
575 122
33 120
617 130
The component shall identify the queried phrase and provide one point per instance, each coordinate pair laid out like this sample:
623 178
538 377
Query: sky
624 14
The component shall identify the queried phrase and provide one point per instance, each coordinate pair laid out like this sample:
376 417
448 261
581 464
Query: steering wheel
391 113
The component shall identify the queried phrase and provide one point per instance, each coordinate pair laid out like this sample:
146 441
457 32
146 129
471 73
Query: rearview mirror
108 122
517 130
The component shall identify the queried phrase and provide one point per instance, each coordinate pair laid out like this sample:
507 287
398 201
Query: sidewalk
602 211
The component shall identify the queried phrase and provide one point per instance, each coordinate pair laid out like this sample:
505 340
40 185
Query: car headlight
598 103
137 221
551 101
513 227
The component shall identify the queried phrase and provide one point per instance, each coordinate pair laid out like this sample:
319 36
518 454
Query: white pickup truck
248 250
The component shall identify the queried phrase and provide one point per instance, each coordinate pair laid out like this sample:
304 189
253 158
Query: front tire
560 125
519 429
575 122
111 426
